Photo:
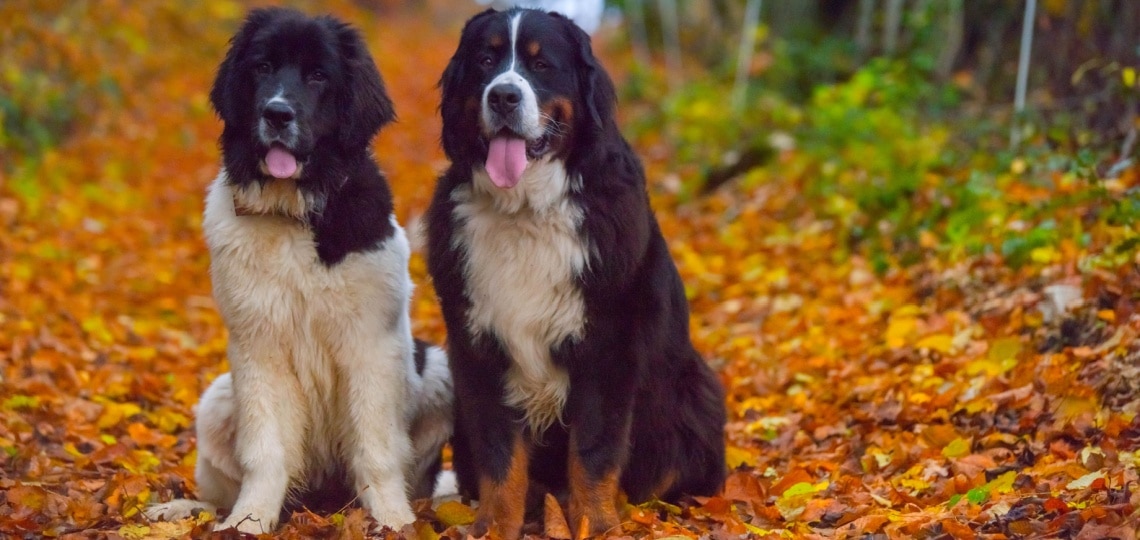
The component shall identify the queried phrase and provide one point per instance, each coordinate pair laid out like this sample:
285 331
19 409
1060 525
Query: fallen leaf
554 521
452 513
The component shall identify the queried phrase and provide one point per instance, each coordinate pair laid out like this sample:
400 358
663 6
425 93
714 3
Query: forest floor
948 398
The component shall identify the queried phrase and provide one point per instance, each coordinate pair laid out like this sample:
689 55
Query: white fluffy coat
322 370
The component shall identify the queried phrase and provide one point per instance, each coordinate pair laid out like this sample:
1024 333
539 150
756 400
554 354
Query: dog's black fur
641 399
339 101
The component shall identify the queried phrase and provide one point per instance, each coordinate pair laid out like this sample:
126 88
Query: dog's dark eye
264 68
318 76
540 65
486 61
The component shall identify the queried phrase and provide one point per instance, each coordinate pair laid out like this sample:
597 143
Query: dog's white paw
248 523
394 514
177 509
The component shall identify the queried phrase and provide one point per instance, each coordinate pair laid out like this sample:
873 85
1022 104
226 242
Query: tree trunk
891 27
863 27
1028 22
954 25
638 36
671 34
744 55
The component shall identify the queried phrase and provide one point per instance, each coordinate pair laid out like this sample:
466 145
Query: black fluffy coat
641 398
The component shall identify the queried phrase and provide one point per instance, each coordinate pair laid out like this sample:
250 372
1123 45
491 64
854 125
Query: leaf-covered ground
954 397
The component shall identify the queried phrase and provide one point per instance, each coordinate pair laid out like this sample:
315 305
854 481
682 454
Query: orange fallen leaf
554 521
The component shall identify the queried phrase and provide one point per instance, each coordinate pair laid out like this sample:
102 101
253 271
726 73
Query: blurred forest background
907 230
912 88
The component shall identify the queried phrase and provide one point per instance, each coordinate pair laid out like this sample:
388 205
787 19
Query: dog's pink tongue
506 161
280 162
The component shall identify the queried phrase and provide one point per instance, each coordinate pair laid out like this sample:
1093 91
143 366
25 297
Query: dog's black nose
504 98
278 114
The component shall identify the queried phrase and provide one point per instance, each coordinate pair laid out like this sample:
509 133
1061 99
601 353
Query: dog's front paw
247 522
393 514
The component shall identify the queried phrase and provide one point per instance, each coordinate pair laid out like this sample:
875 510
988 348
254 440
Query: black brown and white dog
328 391
568 327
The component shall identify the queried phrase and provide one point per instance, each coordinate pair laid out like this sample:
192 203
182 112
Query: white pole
891 26
1022 71
863 27
744 56
670 26
638 34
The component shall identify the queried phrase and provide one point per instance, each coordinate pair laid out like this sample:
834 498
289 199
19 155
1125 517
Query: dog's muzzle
278 123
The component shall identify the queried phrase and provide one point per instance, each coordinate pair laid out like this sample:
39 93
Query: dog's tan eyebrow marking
533 48
496 40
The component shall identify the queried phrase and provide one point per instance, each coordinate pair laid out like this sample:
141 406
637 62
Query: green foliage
876 150
891 158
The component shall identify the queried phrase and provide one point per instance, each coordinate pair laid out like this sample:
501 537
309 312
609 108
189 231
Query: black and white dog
568 327
328 391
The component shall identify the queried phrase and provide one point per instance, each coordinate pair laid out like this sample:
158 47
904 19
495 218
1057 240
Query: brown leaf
1096 531
869 524
957 530
744 487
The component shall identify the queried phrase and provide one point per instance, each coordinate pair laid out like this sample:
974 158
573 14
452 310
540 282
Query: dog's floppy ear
455 72
451 104
594 83
364 103
451 83
228 100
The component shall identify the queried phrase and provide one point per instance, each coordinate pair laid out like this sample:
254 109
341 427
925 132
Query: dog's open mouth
508 155
280 162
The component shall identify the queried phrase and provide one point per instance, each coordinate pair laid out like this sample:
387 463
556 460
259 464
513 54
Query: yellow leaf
882 459
425 531
204 517
1045 255
1128 76
794 499
452 513
169 420
734 457
1018 166
957 448
134 532
166 530
113 413
97 328
900 330
1002 357
1004 349
1071 407
942 343
1003 483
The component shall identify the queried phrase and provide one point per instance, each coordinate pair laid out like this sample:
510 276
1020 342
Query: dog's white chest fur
323 324
523 254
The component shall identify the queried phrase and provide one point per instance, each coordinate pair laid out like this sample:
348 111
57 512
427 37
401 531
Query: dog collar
241 210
